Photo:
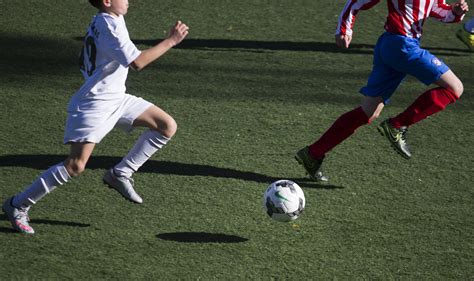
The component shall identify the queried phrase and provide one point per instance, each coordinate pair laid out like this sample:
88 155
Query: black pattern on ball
272 209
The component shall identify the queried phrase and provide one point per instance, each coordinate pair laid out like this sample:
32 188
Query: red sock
427 104
340 130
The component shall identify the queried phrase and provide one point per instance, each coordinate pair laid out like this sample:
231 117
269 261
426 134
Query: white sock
44 184
469 26
147 144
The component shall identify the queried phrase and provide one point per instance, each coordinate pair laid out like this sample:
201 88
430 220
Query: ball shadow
200 237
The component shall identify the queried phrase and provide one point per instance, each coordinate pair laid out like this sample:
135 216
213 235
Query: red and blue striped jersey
405 17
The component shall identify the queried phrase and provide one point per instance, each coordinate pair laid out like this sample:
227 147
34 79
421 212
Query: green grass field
254 82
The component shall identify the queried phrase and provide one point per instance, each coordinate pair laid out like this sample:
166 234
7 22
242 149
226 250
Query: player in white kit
102 104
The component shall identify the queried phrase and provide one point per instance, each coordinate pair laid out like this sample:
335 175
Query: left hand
343 40
460 7
178 32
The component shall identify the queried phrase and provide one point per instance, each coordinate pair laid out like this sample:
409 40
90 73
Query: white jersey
105 58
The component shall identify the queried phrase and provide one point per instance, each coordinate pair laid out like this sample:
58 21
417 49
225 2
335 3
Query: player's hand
178 32
460 7
343 40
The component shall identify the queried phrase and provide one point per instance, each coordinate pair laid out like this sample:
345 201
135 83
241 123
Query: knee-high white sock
44 184
147 144
469 26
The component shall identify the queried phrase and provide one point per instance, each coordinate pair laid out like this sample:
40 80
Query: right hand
343 40
178 32
460 7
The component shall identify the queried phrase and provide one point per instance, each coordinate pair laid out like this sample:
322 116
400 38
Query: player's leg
346 125
78 157
420 63
429 70
431 101
427 104
56 175
311 157
17 206
162 128
381 84
157 120
451 82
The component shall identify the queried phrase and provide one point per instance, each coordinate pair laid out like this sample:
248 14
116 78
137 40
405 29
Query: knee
372 111
372 107
374 116
457 88
169 127
75 167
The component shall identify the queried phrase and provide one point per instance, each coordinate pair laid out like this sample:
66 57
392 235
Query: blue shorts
395 56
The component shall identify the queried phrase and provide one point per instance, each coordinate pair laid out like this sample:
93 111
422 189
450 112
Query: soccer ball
284 200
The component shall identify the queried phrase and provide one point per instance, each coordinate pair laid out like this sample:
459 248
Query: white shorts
93 125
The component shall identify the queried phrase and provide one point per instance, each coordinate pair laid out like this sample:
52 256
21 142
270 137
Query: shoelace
23 216
132 182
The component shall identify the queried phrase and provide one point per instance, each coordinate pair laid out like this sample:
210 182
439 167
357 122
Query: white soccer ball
284 200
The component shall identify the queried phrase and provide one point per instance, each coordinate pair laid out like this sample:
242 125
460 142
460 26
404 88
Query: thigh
81 151
132 109
382 82
89 126
405 55
450 81
372 107
157 119
384 79
426 67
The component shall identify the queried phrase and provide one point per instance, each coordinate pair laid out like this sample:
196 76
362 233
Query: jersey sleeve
349 13
444 12
116 43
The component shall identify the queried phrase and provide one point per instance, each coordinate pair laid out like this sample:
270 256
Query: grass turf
254 82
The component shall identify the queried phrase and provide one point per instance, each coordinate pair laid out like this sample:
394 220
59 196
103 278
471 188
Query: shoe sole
111 187
382 132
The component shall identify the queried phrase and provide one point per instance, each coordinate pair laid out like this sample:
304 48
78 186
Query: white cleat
123 185
18 217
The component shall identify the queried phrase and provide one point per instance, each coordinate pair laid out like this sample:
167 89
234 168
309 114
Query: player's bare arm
343 40
177 33
460 7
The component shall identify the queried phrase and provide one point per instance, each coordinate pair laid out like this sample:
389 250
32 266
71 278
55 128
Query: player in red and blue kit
397 53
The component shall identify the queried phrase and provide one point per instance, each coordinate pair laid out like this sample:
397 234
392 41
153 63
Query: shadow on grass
35 55
201 237
64 223
326 47
307 183
252 45
7 230
43 162
50 222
